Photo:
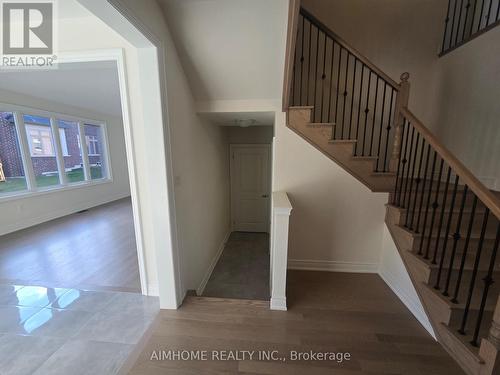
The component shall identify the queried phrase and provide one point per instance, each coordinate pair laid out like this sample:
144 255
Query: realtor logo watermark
28 34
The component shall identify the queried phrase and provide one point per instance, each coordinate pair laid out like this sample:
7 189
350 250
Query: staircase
444 221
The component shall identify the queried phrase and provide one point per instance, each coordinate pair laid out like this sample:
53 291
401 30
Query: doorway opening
66 185
243 268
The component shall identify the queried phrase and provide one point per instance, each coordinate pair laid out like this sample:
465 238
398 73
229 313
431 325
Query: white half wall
27 211
393 272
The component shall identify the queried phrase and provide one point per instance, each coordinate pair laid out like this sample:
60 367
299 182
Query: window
12 177
30 156
42 150
70 144
94 138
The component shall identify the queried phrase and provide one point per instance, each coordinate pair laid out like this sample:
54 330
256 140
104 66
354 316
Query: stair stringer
437 314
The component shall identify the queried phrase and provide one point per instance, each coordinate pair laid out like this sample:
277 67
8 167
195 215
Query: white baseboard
278 304
204 281
413 305
332 266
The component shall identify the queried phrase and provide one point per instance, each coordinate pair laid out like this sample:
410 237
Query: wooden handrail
345 45
293 18
489 199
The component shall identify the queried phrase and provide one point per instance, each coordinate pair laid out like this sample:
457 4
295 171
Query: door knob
265 196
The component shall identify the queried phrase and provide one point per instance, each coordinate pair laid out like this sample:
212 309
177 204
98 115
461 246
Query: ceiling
243 119
230 49
89 85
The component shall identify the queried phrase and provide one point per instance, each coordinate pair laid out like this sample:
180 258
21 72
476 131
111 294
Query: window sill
55 189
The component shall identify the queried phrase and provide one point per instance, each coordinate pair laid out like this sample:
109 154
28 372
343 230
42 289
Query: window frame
25 149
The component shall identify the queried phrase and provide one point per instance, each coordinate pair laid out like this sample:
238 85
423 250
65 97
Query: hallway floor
94 250
242 271
328 312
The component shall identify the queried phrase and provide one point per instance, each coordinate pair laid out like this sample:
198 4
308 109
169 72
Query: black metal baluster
381 125
446 22
453 24
465 251
435 206
498 11
488 15
405 160
352 95
447 233
413 194
410 190
337 97
359 108
411 161
331 86
316 78
302 60
466 19
429 195
456 237
474 272
388 130
309 63
441 216
398 179
459 20
488 281
474 10
480 16
374 116
366 111
323 77
345 92
422 194
417 181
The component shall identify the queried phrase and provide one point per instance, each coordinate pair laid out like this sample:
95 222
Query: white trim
278 304
153 290
213 263
413 305
332 266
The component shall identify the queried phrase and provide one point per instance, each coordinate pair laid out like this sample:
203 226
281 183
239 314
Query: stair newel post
398 123
490 347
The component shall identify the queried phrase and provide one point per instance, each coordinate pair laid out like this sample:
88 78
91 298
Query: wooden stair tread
301 107
343 141
464 341
456 306
475 235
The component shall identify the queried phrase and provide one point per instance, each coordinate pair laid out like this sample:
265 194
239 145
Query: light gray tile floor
242 271
47 331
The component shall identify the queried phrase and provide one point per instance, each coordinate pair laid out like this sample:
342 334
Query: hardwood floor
333 312
91 250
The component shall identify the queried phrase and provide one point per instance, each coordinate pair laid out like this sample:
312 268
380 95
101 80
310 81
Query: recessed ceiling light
245 123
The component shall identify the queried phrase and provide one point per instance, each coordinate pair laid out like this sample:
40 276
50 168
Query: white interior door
250 187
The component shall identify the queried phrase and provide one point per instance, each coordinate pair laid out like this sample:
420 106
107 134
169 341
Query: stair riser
477 222
415 202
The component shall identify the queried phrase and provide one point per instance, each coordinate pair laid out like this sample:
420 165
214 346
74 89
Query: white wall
468 110
27 211
250 135
394 273
336 223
